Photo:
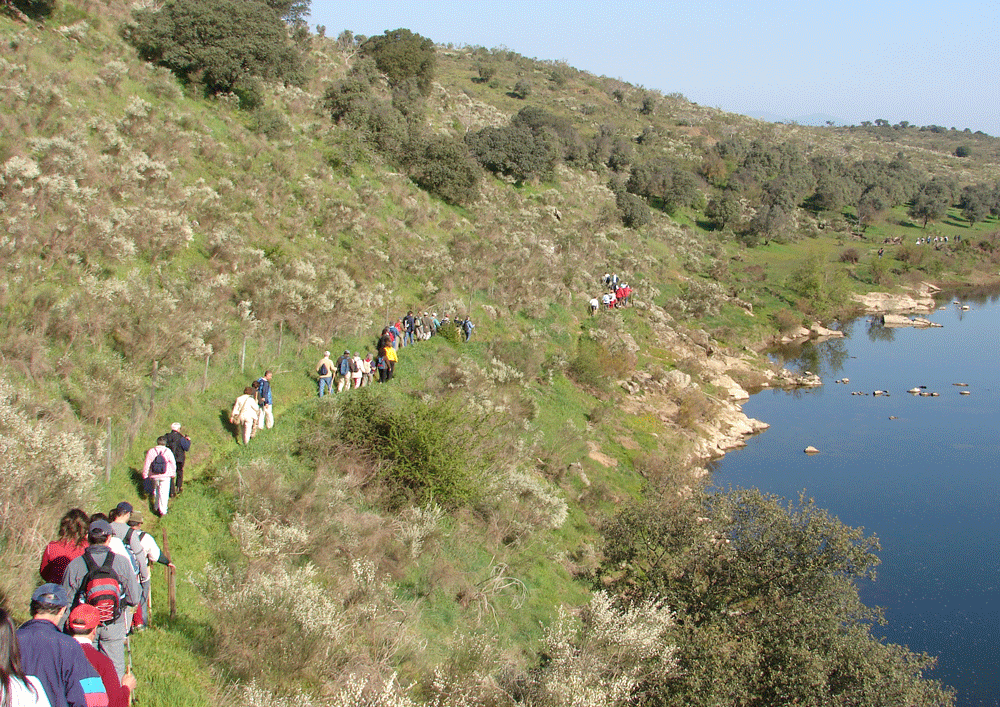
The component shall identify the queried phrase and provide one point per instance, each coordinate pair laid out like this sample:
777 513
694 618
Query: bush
217 42
850 255
522 89
401 54
634 210
423 456
445 168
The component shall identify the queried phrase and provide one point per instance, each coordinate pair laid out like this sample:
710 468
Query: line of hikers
353 371
72 652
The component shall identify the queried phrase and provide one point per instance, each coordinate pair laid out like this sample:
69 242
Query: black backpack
101 588
323 371
159 465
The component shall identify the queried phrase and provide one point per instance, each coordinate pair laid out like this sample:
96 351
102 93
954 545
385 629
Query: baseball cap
176 426
101 526
124 507
85 617
50 594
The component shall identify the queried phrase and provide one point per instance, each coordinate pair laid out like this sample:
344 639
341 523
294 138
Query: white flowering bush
416 525
601 657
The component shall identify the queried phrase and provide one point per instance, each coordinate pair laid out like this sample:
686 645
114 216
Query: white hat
176 427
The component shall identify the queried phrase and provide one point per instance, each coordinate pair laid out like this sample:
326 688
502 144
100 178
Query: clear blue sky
921 61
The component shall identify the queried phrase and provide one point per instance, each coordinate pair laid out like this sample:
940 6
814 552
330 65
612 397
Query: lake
921 473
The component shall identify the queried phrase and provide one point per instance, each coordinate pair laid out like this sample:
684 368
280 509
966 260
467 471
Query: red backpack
102 588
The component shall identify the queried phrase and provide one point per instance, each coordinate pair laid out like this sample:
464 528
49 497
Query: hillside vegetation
520 519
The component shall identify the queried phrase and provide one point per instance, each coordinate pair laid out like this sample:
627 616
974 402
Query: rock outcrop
921 300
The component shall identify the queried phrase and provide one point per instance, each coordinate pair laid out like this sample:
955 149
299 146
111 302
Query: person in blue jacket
54 658
264 394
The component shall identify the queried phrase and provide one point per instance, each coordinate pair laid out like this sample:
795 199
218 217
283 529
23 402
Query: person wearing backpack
266 418
180 444
343 371
324 369
119 517
104 579
159 467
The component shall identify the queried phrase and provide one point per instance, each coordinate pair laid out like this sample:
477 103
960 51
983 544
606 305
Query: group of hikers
253 410
353 371
616 294
72 652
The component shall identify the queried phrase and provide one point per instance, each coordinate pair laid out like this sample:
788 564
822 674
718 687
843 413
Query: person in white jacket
245 413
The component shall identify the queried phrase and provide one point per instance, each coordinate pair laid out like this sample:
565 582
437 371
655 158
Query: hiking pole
128 666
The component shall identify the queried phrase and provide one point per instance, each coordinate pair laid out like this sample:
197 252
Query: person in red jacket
82 625
70 545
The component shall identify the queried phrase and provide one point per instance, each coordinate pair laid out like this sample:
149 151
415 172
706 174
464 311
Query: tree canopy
401 54
221 43
766 603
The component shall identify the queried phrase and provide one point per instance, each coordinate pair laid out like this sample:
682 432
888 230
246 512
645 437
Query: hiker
409 328
356 369
119 517
594 304
82 626
367 368
152 554
467 327
266 415
435 323
58 661
245 413
70 545
95 571
324 369
159 467
17 688
179 444
343 370
396 332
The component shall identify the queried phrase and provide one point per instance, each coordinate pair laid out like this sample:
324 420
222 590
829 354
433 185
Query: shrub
850 255
269 122
445 168
522 89
634 210
511 150
401 54
216 42
423 456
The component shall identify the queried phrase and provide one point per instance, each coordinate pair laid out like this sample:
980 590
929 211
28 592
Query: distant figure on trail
594 304
356 365
179 444
266 415
324 369
467 327
70 545
343 370
245 413
159 467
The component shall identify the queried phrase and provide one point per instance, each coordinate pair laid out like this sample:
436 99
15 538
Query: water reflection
822 358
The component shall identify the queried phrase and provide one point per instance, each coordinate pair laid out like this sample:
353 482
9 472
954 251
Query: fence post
107 455
243 356
281 335
171 579
204 380
152 387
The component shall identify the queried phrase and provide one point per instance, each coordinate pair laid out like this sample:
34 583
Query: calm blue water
926 483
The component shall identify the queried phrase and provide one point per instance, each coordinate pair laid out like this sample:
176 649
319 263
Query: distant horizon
893 61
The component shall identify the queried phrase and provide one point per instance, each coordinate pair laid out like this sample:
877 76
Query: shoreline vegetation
465 534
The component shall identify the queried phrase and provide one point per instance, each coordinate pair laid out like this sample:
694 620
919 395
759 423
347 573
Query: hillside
448 537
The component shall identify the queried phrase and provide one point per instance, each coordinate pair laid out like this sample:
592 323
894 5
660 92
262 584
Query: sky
929 63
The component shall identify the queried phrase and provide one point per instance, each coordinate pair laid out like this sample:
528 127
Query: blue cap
52 594
124 507
102 526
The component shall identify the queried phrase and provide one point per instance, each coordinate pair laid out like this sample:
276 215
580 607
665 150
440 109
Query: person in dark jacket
179 444
53 657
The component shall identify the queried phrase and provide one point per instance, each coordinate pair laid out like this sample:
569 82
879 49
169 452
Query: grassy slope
287 203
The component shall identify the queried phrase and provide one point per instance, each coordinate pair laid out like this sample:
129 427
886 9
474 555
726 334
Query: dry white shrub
418 524
599 659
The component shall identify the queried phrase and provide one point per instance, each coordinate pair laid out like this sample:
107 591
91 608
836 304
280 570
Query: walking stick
128 666
171 580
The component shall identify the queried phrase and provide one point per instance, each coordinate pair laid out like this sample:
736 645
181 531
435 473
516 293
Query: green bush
422 455
445 168
401 54
216 42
